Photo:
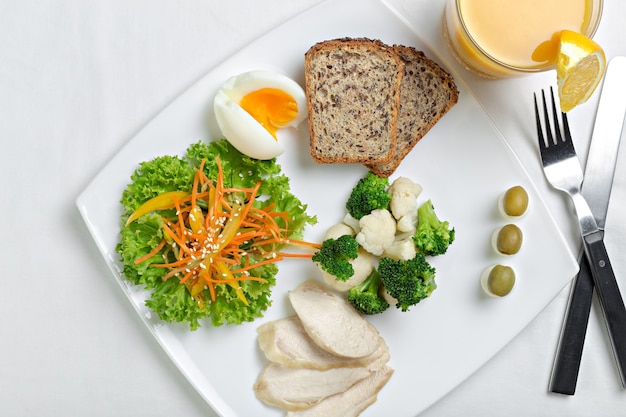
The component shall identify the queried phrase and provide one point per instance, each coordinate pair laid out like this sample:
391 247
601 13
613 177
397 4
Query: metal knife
597 185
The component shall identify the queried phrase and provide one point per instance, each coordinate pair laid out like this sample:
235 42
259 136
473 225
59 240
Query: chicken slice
286 342
353 401
331 321
301 388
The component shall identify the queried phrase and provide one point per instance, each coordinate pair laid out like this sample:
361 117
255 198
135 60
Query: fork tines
565 140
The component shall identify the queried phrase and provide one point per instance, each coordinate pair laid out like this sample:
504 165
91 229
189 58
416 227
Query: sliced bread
427 93
353 96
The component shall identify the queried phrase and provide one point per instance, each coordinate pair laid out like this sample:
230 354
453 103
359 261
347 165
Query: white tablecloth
77 80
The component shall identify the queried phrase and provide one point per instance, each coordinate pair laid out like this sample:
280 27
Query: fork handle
610 297
570 347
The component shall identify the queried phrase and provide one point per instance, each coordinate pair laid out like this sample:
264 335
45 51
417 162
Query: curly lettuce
170 299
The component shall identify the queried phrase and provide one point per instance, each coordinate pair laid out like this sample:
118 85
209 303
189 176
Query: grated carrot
150 254
222 243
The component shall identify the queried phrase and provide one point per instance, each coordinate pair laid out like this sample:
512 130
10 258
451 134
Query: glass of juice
506 38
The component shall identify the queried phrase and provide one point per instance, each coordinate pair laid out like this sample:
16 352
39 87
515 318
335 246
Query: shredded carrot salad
218 235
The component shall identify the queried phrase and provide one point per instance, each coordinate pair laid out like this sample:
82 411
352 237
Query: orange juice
499 38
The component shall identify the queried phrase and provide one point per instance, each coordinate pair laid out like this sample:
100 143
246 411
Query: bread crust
415 120
349 133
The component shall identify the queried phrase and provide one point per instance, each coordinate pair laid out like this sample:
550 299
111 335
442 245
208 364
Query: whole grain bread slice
427 93
353 99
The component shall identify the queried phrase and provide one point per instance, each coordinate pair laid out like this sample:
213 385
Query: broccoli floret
335 255
433 236
370 193
366 296
408 281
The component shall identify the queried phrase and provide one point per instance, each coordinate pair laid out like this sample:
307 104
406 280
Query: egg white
246 134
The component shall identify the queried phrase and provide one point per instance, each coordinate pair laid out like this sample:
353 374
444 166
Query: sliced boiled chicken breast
286 342
331 321
351 402
301 388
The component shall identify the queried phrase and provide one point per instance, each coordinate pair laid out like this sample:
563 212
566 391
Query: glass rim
594 23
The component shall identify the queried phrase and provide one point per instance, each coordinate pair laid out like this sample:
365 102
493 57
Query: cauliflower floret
404 193
390 300
352 222
363 265
402 249
338 230
378 230
407 223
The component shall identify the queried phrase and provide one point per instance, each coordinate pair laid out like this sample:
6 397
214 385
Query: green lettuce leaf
169 299
161 175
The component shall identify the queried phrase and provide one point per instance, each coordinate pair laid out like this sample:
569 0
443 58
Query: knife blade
597 184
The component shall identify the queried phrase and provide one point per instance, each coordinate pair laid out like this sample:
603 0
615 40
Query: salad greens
158 234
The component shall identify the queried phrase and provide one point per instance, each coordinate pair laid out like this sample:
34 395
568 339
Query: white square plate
463 164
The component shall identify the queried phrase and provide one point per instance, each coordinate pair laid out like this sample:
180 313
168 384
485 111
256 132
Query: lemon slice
580 67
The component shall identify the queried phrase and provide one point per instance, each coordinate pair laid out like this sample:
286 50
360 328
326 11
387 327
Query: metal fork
563 171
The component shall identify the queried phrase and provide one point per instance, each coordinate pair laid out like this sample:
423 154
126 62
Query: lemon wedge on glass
580 66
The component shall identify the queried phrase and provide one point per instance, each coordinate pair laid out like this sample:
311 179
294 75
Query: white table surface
77 80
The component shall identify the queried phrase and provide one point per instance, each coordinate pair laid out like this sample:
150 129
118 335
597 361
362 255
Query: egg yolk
271 107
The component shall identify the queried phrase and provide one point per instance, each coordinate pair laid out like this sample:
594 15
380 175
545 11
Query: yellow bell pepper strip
160 202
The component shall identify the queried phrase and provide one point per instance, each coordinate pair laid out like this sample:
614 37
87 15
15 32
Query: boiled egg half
251 107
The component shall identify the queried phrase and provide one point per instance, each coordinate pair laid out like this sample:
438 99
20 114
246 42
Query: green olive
515 201
508 239
500 280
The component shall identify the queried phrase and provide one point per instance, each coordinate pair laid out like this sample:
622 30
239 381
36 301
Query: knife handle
609 296
570 348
